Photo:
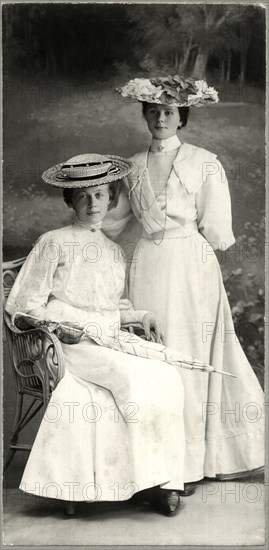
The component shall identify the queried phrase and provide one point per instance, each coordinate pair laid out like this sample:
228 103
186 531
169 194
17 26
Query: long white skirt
113 427
179 279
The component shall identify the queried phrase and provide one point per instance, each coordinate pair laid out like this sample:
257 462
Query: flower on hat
203 95
141 89
170 90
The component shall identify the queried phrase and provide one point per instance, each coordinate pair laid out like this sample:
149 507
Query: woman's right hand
151 323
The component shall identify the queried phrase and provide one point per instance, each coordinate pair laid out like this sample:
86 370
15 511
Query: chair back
35 355
10 272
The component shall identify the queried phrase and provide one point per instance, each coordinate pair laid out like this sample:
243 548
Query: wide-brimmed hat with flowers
87 170
170 90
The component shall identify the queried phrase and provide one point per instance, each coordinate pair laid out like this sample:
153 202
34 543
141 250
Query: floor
220 513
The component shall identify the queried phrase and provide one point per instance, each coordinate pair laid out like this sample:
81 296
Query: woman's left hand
150 323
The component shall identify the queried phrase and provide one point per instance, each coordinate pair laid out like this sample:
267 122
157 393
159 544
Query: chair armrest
36 354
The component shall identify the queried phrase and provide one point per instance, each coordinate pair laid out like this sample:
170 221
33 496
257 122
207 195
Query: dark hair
183 113
113 189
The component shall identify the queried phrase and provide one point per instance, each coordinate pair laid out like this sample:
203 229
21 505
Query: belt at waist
180 232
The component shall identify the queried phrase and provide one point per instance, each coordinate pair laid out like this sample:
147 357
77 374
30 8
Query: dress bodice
196 192
159 168
90 272
72 266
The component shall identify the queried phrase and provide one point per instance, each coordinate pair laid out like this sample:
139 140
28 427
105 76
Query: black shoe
189 489
167 502
145 496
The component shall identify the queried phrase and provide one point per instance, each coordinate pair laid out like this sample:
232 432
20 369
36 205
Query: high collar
91 227
165 145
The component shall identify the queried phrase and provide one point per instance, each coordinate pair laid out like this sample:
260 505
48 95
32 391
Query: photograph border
265 5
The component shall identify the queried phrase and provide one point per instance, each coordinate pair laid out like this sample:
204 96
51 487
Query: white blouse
196 191
73 274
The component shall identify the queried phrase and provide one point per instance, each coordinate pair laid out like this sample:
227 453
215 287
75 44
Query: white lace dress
179 194
114 425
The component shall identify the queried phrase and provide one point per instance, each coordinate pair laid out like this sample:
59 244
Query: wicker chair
37 363
36 359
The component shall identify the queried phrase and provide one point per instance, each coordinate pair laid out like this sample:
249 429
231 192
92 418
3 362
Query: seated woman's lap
128 377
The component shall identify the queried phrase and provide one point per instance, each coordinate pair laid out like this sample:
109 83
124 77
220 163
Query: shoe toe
168 502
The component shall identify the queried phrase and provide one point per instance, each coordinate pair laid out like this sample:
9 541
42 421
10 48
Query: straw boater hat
87 170
170 90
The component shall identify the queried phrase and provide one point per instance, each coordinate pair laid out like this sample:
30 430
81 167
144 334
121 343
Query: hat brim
53 177
157 101
174 91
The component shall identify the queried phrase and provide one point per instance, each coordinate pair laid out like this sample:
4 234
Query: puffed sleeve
34 282
213 203
118 216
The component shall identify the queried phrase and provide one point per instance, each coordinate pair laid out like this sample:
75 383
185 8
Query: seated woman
114 424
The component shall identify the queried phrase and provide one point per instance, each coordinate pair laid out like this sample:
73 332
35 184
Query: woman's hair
113 189
183 113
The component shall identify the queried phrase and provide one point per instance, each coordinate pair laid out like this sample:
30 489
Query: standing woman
180 195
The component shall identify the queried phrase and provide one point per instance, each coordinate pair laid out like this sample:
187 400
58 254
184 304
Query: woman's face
91 203
162 120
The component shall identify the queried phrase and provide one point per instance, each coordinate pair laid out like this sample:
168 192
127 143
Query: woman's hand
69 333
150 323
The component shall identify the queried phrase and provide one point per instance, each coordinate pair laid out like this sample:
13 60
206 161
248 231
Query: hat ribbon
105 171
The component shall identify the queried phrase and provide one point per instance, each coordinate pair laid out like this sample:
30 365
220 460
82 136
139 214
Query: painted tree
62 39
165 32
182 38
215 32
